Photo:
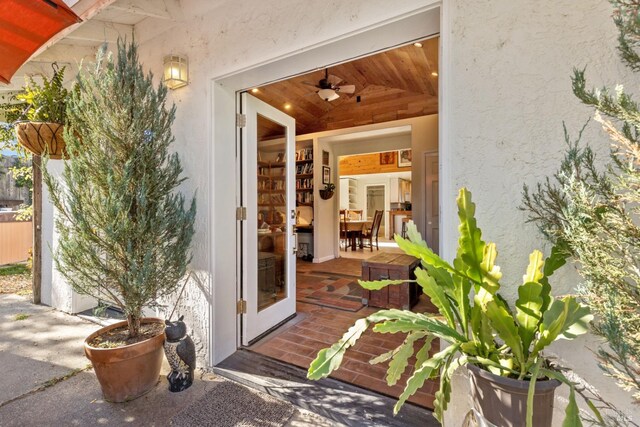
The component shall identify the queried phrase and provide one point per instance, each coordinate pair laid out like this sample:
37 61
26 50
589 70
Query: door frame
224 323
425 197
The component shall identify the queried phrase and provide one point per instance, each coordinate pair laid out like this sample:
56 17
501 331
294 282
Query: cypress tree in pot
124 230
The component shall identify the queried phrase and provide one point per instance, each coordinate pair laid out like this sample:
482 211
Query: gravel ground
19 284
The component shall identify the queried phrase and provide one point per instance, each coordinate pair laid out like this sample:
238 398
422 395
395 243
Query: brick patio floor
316 327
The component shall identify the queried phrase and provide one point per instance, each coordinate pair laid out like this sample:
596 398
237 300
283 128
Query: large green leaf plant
479 325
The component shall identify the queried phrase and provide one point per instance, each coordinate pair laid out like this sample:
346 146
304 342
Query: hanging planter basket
326 194
42 138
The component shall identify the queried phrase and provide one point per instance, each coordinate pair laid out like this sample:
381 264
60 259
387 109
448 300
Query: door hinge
241 213
241 307
241 120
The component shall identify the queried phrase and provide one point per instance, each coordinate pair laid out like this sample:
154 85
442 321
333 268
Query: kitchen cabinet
399 190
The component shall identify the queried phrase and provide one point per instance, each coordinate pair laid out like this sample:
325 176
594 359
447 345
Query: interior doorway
375 195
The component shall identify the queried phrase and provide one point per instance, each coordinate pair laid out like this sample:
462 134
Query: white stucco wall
505 76
55 291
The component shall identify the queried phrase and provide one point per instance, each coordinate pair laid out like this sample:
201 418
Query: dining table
354 229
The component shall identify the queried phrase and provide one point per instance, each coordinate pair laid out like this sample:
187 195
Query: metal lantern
176 71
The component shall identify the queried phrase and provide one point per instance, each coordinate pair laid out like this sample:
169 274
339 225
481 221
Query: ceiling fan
328 88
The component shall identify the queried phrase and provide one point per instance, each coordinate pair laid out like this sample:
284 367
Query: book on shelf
278 199
304 198
304 183
304 154
303 169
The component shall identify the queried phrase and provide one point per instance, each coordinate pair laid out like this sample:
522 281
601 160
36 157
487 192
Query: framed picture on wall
404 158
388 158
326 175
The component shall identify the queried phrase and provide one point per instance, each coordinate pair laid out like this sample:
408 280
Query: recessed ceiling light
254 90
287 106
417 44
434 74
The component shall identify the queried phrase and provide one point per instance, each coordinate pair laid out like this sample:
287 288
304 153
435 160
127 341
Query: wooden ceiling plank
393 84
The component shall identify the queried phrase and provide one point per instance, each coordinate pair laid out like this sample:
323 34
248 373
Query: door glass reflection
272 213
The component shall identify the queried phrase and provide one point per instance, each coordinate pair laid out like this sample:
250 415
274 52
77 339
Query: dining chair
372 233
405 222
355 214
344 231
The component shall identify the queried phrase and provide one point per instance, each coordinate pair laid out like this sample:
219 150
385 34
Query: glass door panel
272 212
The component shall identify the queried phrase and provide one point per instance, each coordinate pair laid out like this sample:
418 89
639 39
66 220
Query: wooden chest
394 267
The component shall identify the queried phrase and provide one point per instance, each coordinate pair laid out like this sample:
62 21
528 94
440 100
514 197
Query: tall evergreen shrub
595 215
125 231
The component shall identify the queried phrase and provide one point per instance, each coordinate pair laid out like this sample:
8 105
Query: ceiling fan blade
346 89
334 80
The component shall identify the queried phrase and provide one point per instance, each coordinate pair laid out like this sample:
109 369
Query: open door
269 240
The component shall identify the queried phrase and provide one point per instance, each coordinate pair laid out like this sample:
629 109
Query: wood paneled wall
16 238
362 164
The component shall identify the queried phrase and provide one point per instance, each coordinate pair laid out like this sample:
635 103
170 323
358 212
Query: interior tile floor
316 327
384 245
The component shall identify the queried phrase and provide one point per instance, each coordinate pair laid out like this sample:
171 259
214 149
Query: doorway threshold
333 399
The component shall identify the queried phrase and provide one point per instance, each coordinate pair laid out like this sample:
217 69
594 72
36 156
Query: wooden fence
16 238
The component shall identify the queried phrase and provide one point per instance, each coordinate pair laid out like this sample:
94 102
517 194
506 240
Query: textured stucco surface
509 91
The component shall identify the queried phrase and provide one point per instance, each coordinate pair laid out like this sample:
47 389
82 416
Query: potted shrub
327 192
124 230
39 126
501 345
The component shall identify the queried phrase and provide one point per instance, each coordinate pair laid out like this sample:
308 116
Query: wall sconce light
176 71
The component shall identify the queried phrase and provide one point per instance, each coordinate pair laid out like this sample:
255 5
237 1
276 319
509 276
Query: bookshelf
272 193
304 177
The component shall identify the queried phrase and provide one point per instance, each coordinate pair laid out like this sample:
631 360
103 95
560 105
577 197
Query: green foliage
479 325
46 102
14 269
592 216
125 231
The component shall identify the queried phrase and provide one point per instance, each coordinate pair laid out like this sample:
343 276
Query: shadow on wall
193 302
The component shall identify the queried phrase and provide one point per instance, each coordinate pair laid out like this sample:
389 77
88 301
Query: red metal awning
25 25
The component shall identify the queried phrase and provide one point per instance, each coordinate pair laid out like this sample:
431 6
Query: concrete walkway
45 380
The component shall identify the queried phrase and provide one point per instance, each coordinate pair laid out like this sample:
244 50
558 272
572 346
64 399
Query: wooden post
36 269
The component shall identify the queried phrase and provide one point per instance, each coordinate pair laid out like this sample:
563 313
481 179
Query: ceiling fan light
328 94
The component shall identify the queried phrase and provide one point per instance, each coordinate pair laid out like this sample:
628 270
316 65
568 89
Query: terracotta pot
42 137
503 401
128 372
